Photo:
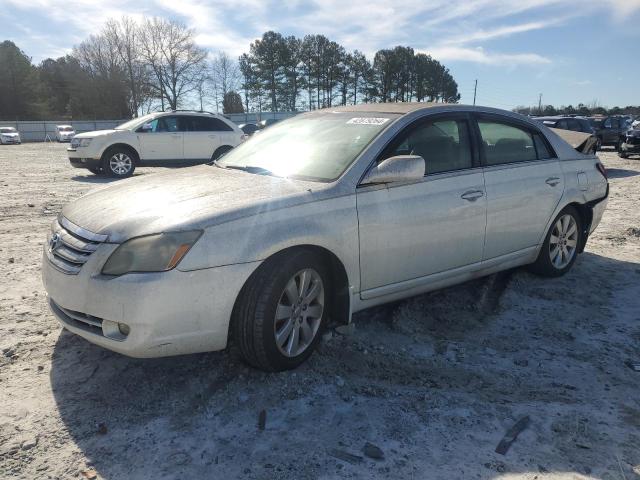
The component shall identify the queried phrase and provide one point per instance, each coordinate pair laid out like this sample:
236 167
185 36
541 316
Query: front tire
281 311
119 163
560 248
622 154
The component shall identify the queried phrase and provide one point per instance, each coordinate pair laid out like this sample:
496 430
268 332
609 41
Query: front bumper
78 160
168 313
630 148
10 140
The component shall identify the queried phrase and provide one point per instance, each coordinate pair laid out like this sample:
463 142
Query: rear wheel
281 311
560 248
119 163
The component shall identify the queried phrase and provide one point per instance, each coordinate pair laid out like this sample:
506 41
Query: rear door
412 230
524 183
163 142
204 135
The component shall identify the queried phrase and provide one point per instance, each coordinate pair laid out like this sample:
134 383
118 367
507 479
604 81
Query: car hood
97 133
189 198
12 134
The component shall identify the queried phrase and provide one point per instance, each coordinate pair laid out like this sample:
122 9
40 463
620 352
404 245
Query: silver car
318 217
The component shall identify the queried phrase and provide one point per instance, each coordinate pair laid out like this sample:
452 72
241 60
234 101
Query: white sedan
64 133
320 216
9 135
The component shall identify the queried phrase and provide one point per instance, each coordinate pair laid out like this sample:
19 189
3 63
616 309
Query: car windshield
132 124
596 122
65 129
8 130
317 147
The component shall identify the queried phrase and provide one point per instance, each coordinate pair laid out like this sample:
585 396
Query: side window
444 145
573 125
217 125
167 124
542 148
505 143
562 124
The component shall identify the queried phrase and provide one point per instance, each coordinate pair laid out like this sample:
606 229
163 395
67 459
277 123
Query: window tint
165 124
204 124
541 147
573 125
444 145
562 124
505 143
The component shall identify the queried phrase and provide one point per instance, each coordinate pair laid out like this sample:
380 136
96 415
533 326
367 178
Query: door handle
552 181
472 195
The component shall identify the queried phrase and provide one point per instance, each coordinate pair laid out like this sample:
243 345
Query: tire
119 162
552 261
265 296
622 154
220 151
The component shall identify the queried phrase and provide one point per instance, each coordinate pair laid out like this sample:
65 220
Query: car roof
389 107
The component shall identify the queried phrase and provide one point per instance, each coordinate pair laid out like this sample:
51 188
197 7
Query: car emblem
54 242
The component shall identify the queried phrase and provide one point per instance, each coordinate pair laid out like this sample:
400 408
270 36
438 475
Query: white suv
166 139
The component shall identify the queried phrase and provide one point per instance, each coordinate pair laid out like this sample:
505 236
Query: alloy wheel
563 241
120 163
299 312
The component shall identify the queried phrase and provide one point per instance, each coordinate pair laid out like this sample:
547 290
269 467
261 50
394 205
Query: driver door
162 143
409 231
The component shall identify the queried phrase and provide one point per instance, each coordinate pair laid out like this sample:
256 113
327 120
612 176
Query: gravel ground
433 382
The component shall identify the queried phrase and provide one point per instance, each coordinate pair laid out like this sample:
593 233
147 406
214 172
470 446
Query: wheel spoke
572 229
553 239
283 311
294 340
314 311
305 278
313 292
572 243
565 223
283 334
291 291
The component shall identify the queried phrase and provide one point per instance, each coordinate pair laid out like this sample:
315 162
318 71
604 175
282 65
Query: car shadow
621 173
201 415
99 178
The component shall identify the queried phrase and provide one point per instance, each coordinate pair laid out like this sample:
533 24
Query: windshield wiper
246 168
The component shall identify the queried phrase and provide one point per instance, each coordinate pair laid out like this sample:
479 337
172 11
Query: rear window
204 124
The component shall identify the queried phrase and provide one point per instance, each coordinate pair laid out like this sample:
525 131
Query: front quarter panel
331 224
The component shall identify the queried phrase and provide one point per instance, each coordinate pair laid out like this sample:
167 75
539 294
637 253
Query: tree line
131 68
581 110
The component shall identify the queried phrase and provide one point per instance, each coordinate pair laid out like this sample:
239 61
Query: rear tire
281 311
119 162
560 248
220 151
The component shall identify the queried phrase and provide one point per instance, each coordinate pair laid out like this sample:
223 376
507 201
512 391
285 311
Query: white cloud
480 55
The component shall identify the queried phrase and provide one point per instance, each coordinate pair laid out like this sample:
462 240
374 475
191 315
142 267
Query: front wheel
622 154
281 311
119 163
560 247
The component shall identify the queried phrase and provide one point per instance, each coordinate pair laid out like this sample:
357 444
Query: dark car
610 130
267 123
575 124
631 143
249 128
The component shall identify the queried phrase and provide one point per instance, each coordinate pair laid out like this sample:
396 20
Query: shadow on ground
435 381
621 173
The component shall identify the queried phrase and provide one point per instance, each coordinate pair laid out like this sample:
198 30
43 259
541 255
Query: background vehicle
249 128
262 124
64 133
168 139
631 144
9 135
575 124
326 214
609 130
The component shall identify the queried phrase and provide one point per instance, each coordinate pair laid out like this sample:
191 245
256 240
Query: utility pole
540 104
475 89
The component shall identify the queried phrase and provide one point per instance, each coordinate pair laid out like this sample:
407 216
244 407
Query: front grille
71 246
88 323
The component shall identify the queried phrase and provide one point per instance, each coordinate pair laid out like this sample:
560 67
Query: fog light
124 329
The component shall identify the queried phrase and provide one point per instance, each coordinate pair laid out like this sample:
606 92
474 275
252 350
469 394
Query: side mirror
401 168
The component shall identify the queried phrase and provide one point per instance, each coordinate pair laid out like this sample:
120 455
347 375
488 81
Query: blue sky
571 51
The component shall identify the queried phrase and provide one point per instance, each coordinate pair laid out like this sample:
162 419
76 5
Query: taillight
601 169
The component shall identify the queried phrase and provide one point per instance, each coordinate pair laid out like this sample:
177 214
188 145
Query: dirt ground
434 382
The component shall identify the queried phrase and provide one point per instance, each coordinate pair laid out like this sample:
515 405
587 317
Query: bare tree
225 76
177 64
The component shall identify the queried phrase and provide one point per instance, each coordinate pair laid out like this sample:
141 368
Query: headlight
151 253
84 142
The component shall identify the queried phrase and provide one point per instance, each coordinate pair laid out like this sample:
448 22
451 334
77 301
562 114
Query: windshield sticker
368 121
